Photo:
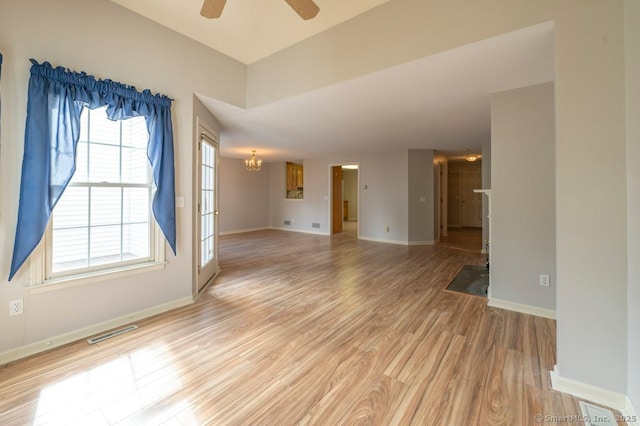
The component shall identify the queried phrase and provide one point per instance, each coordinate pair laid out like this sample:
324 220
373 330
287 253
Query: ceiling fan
307 9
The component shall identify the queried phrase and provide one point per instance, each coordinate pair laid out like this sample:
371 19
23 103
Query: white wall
382 204
421 187
302 213
523 196
591 207
486 184
393 33
632 56
244 196
394 180
107 41
385 200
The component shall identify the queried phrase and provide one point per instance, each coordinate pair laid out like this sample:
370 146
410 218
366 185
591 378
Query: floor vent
596 416
287 222
111 334
315 225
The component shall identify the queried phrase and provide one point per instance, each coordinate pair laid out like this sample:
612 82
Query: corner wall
486 184
591 200
632 56
244 196
420 168
440 171
523 196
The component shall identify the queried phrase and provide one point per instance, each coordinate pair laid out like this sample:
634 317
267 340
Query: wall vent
596 416
315 225
111 334
287 222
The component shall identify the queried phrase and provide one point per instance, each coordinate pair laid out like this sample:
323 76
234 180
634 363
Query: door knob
216 212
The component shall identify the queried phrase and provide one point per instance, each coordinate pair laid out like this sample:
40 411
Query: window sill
83 279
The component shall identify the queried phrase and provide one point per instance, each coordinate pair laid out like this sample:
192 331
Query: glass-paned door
207 209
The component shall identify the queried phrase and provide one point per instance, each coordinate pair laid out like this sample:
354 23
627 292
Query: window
48 165
103 219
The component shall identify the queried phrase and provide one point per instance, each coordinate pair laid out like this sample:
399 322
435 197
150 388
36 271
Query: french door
207 220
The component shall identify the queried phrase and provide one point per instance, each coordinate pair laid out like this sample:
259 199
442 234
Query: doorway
345 199
471 209
464 207
206 211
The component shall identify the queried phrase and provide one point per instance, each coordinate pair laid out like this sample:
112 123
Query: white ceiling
438 102
248 30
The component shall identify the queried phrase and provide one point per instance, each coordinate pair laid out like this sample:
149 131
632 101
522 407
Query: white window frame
38 282
40 261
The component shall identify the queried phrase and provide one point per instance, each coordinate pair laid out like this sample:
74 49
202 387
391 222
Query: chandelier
252 164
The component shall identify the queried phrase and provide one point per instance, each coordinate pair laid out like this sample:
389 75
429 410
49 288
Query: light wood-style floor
463 238
310 330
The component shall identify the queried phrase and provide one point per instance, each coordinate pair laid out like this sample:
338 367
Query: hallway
463 238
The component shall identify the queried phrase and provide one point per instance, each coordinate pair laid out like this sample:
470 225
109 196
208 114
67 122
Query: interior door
336 199
207 208
453 199
471 202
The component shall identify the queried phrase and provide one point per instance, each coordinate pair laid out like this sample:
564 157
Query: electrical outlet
16 307
544 280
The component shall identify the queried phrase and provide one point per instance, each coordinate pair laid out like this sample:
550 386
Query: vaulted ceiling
248 30
438 102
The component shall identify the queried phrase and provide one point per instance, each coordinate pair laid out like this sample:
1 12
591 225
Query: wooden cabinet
295 176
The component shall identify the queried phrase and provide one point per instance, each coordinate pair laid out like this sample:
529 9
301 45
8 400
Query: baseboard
242 231
304 231
399 242
72 336
630 413
524 309
381 240
595 394
421 243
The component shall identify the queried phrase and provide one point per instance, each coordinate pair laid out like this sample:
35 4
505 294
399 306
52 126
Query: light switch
179 202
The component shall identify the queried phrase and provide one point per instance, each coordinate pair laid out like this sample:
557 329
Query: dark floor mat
472 279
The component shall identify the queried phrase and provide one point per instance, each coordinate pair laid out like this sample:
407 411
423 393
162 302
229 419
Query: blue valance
55 101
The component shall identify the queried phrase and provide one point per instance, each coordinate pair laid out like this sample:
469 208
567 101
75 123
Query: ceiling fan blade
307 9
212 8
